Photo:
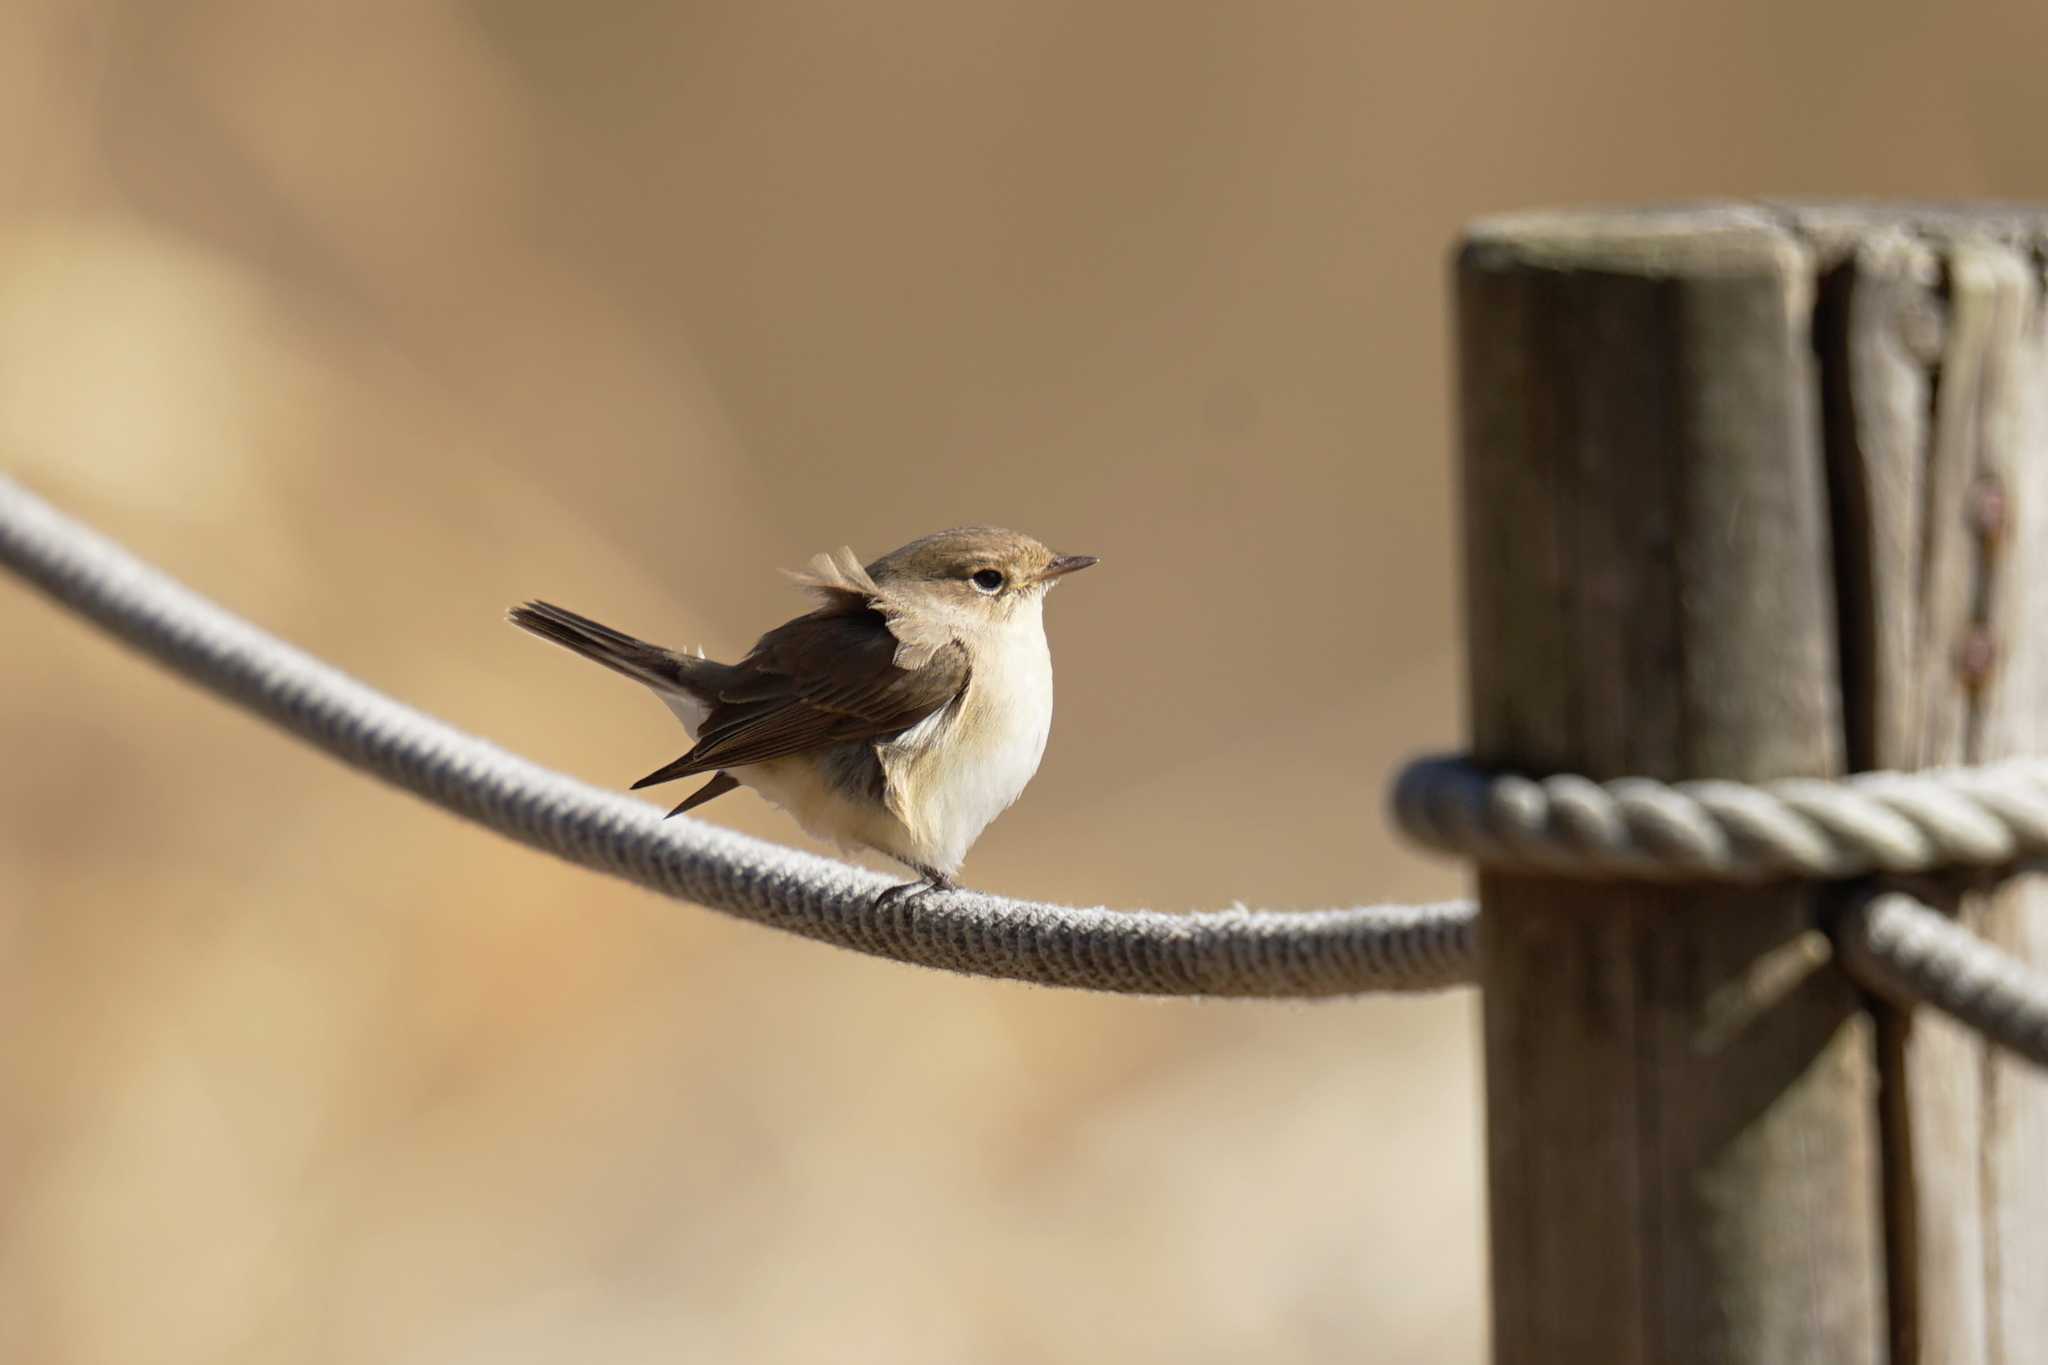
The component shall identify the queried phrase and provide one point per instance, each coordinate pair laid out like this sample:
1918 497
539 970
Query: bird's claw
910 891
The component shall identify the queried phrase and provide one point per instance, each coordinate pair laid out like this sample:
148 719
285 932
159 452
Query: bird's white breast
953 774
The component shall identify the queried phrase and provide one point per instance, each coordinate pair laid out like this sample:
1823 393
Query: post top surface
1732 236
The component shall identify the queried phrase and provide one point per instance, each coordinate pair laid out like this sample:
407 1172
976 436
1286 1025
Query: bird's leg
931 880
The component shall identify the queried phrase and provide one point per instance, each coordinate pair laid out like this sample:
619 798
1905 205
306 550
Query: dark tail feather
669 772
710 791
664 670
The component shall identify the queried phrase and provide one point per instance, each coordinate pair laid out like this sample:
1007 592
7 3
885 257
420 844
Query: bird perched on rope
903 715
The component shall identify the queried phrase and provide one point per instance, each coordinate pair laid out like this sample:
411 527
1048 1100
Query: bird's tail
667 671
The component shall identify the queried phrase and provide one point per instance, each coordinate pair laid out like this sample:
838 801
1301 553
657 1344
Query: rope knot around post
1989 818
1806 828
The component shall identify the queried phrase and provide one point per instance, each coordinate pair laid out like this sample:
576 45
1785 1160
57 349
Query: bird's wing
827 678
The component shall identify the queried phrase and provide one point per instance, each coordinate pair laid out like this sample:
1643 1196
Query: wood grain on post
1682 1117
1937 397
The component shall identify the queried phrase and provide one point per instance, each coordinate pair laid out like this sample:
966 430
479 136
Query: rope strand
1913 954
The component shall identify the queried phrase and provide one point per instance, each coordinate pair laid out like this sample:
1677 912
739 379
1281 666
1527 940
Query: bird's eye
989 581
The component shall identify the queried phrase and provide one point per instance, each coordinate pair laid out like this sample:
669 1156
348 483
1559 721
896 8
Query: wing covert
823 679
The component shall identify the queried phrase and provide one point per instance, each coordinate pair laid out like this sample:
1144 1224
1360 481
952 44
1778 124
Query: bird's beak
1065 565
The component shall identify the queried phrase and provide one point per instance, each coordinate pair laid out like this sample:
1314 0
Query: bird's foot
910 891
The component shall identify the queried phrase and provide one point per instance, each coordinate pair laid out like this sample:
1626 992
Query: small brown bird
903 715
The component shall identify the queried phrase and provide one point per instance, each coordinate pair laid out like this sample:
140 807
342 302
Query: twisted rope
1891 822
1911 954
1990 816
1233 952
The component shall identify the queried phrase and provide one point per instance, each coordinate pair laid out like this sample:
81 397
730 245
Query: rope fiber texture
1913 954
1234 952
1985 817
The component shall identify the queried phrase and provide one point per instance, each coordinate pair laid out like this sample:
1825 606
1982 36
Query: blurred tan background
371 319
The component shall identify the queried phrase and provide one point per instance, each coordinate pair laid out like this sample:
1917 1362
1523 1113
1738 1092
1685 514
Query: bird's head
974 572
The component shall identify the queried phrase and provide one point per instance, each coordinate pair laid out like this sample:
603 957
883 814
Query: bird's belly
975 788
804 790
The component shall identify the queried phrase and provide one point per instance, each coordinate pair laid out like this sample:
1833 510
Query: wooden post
1682 1114
1937 396
1750 493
